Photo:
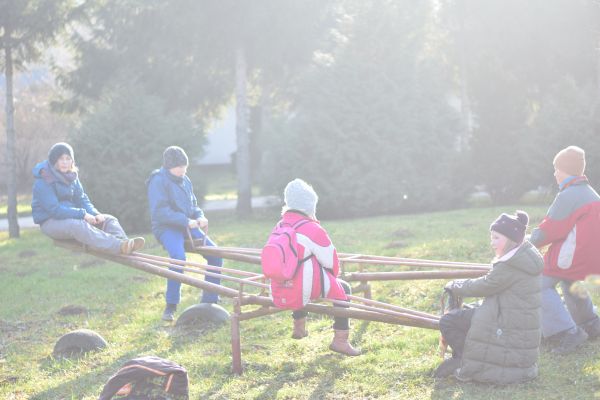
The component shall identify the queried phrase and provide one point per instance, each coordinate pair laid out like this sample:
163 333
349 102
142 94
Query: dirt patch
396 244
27 253
72 310
8 380
56 274
402 233
91 263
21 273
7 327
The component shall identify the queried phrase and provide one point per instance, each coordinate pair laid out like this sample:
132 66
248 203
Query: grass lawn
46 291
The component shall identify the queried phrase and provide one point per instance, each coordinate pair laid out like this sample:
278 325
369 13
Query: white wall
221 140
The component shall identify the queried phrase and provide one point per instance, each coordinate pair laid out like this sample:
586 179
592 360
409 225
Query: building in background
220 144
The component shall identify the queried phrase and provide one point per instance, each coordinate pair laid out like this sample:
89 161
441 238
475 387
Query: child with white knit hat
300 196
318 268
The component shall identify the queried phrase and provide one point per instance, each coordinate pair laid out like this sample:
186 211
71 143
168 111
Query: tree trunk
598 68
244 201
13 222
465 104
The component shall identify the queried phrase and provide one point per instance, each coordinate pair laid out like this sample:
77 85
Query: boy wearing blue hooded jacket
174 210
63 210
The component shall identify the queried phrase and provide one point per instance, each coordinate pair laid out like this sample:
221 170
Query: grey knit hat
174 156
57 150
299 195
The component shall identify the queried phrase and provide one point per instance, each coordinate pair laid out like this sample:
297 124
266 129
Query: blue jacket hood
57 197
37 170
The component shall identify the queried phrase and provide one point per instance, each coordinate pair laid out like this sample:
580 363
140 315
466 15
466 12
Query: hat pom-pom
522 217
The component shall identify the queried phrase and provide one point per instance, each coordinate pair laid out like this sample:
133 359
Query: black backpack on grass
147 378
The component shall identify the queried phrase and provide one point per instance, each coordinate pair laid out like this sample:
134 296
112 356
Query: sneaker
592 328
570 341
128 246
447 368
169 313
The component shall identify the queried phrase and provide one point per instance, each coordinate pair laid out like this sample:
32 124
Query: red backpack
279 257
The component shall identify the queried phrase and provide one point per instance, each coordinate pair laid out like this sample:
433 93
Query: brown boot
340 343
300 328
128 246
138 243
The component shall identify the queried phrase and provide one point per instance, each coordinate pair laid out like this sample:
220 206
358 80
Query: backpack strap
322 276
300 223
296 225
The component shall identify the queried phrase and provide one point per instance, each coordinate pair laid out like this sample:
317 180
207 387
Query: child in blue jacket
63 210
174 210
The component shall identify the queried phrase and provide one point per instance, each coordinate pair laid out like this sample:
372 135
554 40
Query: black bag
147 378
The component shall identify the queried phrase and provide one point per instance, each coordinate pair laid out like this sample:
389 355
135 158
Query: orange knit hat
570 160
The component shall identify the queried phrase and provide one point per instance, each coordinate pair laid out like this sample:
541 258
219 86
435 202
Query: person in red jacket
320 263
571 228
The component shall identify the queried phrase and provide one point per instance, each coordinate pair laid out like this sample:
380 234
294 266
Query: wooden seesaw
443 269
359 308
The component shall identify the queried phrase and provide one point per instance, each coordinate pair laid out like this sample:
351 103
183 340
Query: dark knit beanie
174 156
58 150
511 226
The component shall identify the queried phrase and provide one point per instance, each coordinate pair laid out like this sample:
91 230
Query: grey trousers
107 239
557 316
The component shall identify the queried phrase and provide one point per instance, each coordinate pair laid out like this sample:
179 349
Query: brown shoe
300 331
138 243
340 343
128 246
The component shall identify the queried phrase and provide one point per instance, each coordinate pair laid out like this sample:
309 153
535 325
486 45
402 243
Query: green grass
124 306
23 205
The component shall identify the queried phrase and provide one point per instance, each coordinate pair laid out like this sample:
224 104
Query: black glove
455 284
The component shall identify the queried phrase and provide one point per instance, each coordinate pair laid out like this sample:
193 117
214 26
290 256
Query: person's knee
175 249
447 322
78 226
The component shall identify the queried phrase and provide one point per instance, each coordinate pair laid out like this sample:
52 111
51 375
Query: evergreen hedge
120 143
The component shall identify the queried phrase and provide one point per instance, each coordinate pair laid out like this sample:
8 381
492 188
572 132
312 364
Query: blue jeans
173 241
557 316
